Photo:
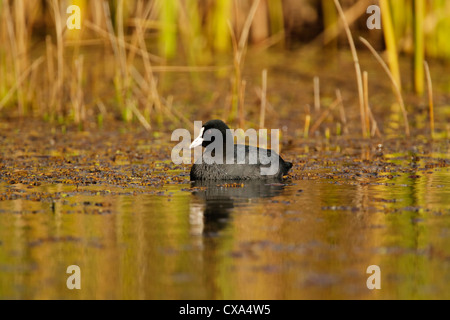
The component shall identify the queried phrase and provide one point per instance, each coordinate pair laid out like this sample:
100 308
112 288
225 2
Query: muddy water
137 228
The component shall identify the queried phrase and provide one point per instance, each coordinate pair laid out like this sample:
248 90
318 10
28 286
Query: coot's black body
213 171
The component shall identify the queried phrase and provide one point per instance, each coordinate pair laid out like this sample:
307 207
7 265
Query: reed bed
144 38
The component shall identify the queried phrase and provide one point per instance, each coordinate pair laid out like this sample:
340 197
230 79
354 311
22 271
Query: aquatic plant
45 68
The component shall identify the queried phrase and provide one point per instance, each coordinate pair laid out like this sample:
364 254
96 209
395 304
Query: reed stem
430 97
419 45
241 104
239 48
330 21
366 101
307 123
276 18
317 94
357 66
168 33
391 77
57 97
221 14
262 117
391 43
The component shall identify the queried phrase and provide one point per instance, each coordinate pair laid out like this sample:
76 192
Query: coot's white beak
198 141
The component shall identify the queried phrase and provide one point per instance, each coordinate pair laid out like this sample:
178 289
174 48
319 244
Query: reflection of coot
221 198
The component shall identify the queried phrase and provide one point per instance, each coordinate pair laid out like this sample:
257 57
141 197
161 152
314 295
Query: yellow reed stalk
50 74
366 101
317 94
357 66
276 18
148 69
391 77
241 105
391 43
307 124
57 97
221 13
239 48
245 31
419 45
262 116
330 20
307 121
430 97
16 57
120 39
77 100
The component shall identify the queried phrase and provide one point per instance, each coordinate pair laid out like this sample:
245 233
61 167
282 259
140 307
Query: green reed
276 17
391 41
192 34
220 35
168 27
419 46
330 19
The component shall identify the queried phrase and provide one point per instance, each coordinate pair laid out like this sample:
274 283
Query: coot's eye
208 132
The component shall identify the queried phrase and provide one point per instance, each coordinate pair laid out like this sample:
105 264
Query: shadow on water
212 214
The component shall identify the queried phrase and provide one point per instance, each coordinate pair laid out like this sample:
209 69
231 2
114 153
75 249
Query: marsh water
111 202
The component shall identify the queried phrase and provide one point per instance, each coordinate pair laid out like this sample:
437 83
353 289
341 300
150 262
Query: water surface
141 230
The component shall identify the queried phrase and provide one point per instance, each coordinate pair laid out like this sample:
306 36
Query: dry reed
317 94
342 111
323 116
396 87
430 97
357 66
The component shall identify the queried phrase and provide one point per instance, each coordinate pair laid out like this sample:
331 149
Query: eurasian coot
248 162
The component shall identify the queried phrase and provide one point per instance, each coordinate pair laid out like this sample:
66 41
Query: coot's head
208 133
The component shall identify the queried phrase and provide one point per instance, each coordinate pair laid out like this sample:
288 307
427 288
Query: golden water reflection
304 240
